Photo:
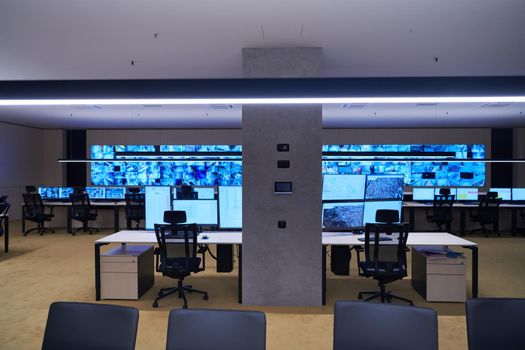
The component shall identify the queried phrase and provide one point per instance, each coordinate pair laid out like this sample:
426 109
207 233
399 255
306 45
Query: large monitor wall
225 171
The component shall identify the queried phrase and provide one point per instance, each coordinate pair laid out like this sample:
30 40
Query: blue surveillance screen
384 186
423 193
198 211
230 207
64 192
49 192
342 215
344 187
115 192
503 193
371 207
96 192
518 194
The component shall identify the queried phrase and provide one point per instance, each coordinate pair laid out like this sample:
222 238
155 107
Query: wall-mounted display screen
64 192
344 187
342 215
371 207
96 192
503 193
158 200
198 211
230 207
205 192
518 194
467 194
48 192
384 186
423 193
115 192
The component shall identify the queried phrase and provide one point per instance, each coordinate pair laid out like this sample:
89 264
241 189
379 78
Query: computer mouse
205 237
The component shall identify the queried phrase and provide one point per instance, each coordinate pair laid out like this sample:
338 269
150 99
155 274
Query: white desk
328 239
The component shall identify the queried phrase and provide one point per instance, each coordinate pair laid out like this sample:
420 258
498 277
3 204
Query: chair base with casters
41 229
85 228
181 290
383 294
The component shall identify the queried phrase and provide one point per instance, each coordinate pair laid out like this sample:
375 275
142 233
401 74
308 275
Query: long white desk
328 239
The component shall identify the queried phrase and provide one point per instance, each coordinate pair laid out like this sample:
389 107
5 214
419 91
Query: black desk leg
6 234
474 270
323 264
23 219
412 219
68 224
514 221
116 219
462 221
97 269
128 224
239 281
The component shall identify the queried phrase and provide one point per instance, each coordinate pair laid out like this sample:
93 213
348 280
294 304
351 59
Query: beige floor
40 270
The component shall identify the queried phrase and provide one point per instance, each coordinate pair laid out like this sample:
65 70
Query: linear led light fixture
405 160
262 100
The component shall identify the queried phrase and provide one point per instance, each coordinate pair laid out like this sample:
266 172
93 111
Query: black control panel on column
283 147
283 163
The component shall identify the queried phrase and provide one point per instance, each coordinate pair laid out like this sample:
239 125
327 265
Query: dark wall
502 148
76 149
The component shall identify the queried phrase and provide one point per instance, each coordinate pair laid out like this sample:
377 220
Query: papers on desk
434 253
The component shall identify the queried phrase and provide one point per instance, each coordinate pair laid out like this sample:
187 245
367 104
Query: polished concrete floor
41 269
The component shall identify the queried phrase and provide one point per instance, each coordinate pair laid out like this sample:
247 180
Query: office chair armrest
156 252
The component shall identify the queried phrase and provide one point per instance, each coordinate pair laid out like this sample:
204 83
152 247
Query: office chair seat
390 269
177 266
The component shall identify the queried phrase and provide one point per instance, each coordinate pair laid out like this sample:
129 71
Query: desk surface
413 204
328 238
93 203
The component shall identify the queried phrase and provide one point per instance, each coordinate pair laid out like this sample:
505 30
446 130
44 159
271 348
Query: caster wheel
155 304
205 297
184 306
360 297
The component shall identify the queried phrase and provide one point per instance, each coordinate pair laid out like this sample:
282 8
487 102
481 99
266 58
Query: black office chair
495 323
30 189
135 208
35 211
174 266
218 330
487 213
81 210
4 208
372 326
83 326
187 192
377 264
441 213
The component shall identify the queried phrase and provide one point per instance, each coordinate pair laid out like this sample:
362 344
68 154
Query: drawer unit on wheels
126 272
439 279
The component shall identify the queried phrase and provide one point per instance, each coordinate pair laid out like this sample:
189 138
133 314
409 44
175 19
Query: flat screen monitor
342 215
384 186
49 192
230 207
158 200
453 191
344 187
205 192
423 193
64 192
198 211
96 192
503 193
467 194
371 207
518 194
115 192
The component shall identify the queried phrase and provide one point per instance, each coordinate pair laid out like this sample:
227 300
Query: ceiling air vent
429 104
84 107
353 105
152 106
497 104
221 106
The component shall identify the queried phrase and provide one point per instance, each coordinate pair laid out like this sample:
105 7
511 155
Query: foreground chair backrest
216 329
370 326
82 326
495 323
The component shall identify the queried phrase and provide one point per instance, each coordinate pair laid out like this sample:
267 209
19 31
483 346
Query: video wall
226 167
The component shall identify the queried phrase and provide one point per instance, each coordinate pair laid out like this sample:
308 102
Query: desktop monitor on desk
518 194
158 200
423 193
384 187
453 191
205 192
96 193
114 193
371 207
342 215
230 207
344 187
504 193
64 192
198 211
49 193
467 194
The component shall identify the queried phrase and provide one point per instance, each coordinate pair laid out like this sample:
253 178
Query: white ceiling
64 39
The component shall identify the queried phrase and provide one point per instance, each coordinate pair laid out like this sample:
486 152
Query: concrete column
282 266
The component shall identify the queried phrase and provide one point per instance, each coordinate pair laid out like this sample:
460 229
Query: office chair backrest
83 326
372 326
387 216
135 201
30 189
3 198
190 232
4 208
492 195
495 323
374 246
174 217
217 330
33 203
444 191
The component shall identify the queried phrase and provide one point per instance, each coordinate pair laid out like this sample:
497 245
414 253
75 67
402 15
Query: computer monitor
453 191
198 211
115 192
342 215
518 194
230 207
371 207
64 192
96 192
158 200
49 193
344 187
503 193
205 192
384 186
423 193
467 194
